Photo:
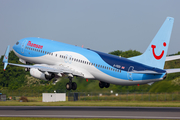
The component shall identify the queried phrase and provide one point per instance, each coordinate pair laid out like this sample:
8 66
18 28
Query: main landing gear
71 85
103 84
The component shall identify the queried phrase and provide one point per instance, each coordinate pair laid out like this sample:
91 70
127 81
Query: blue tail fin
156 52
6 56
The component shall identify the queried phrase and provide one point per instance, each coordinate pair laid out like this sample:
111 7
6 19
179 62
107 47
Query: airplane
54 59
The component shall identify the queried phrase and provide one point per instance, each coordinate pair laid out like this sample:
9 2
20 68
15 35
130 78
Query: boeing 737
53 59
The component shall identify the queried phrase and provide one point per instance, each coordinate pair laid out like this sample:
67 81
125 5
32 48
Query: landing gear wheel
101 84
107 85
68 86
71 85
74 86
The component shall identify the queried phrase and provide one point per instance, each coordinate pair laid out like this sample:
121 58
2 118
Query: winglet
5 59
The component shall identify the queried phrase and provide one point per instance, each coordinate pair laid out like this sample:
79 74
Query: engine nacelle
40 75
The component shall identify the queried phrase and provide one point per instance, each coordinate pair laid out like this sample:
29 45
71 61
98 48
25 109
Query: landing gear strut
103 84
71 85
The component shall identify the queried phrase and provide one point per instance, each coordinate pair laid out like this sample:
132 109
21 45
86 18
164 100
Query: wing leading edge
51 69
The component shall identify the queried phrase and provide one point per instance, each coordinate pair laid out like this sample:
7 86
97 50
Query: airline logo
34 45
153 51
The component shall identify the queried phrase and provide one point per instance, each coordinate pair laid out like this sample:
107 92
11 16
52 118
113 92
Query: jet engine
40 75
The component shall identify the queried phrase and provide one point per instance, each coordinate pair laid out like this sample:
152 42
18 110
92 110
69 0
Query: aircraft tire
74 86
107 85
68 86
101 84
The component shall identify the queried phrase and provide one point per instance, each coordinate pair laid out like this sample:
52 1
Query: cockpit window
17 43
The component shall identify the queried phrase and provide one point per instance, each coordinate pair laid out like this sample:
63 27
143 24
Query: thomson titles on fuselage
34 45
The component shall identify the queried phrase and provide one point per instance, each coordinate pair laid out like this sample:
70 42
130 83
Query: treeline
15 78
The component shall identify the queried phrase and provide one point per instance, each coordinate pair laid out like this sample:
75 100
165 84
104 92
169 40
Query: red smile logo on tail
161 55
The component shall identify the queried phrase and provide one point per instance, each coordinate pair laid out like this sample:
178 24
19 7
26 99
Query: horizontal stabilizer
175 57
146 72
172 70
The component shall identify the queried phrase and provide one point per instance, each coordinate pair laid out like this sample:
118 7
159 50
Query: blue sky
103 25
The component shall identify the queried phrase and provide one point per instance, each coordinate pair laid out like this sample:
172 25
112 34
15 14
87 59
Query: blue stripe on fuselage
96 57
114 61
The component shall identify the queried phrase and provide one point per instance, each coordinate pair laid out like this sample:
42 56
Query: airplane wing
43 67
175 57
51 69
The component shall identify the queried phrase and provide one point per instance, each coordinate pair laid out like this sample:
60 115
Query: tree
126 54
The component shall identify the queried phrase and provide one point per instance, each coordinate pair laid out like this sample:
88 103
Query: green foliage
164 87
126 54
15 78
117 53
